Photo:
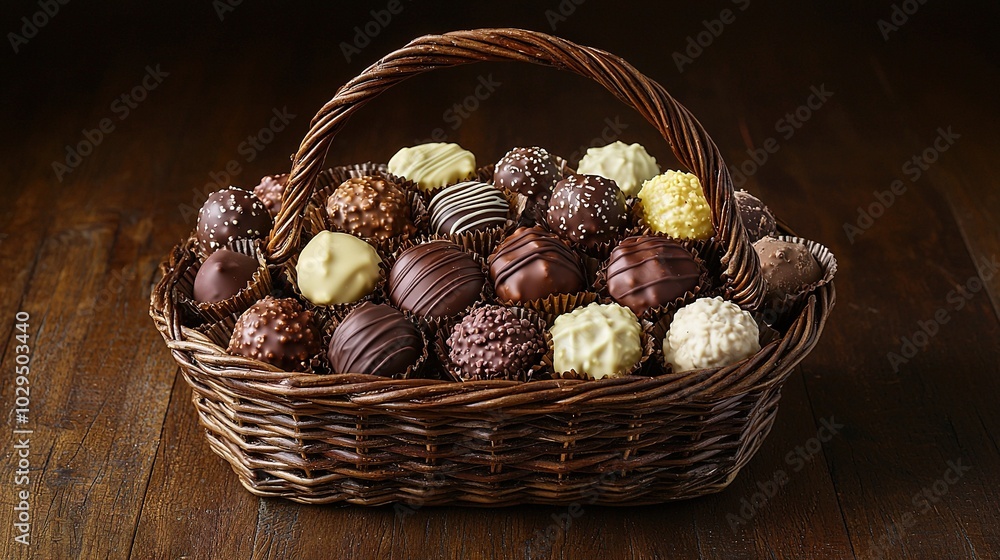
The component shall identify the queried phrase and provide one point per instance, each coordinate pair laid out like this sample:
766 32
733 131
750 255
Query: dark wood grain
120 467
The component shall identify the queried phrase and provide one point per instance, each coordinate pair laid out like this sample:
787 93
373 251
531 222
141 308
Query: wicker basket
368 440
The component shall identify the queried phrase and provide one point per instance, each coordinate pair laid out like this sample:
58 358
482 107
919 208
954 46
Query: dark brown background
119 465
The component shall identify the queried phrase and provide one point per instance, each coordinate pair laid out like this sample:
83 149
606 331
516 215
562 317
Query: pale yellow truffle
674 204
599 340
627 165
433 165
337 268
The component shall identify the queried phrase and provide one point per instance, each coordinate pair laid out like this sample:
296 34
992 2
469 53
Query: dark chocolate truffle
533 264
279 332
231 214
587 210
468 206
757 218
374 339
223 274
649 271
493 342
370 208
787 267
269 191
435 279
528 171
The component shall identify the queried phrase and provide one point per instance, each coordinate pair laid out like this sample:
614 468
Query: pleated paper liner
779 311
453 373
548 308
221 332
638 368
258 287
418 369
325 313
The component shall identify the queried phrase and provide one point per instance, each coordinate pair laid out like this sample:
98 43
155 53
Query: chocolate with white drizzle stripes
468 206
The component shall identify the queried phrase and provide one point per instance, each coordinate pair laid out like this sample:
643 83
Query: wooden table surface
883 146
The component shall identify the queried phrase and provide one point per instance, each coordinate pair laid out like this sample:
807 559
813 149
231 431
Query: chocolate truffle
649 271
231 214
374 339
599 340
627 165
493 342
708 333
371 208
674 204
435 279
757 218
269 191
528 171
468 206
336 268
223 274
533 264
787 267
587 210
433 165
278 332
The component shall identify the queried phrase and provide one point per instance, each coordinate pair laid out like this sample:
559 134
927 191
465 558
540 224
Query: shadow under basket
369 440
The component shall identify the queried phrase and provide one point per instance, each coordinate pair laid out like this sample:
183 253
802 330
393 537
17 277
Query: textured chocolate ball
374 339
231 214
269 191
787 267
371 208
493 342
528 171
279 332
468 206
435 279
223 274
533 264
757 218
649 271
587 210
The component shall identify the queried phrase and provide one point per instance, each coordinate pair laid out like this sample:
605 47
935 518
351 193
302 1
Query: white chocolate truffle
599 340
674 204
627 165
711 332
433 165
337 268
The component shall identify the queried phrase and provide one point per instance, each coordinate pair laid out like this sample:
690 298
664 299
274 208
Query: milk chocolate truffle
223 274
599 340
374 339
468 206
708 333
674 204
336 268
626 165
787 267
649 271
757 218
435 279
269 191
492 342
278 332
433 165
529 171
586 209
370 207
231 214
533 264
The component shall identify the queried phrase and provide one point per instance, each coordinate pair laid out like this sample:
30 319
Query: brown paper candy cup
416 370
257 289
776 311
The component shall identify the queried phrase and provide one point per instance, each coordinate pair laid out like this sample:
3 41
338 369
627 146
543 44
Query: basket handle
690 143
